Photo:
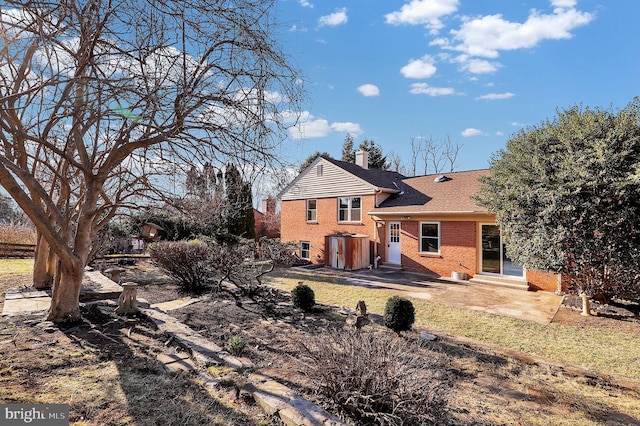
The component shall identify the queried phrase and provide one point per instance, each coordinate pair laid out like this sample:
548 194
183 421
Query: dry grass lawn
507 372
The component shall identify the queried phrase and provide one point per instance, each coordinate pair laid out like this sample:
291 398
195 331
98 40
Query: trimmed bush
377 379
399 314
187 262
303 297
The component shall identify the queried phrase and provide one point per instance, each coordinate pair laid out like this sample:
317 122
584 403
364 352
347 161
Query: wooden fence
17 250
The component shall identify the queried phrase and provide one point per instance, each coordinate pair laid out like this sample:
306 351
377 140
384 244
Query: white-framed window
312 210
305 250
349 209
319 170
430 237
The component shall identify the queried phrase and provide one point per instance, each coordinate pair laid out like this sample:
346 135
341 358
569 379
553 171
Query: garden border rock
273 397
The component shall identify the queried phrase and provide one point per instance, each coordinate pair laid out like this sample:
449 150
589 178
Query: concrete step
507 282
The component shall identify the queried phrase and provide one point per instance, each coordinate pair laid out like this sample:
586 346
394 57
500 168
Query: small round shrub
303 297
399 314
235 345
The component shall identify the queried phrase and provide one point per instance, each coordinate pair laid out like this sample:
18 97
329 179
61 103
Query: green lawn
608 352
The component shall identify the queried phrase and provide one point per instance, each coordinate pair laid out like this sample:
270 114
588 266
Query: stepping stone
175 304
174 363
23 306
428 336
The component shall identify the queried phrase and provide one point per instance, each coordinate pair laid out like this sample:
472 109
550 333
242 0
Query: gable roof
437 193
383 179
339 179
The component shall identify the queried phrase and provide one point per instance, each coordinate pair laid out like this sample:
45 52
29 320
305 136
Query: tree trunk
41 273
586 310
65 299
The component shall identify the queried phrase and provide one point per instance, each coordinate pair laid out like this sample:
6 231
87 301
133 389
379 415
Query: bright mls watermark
34 414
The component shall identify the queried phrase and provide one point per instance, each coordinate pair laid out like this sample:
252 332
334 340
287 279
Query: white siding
334 182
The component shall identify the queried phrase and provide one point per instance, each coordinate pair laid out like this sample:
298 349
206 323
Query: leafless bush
186 261
379 379
17 232
231 266
278 252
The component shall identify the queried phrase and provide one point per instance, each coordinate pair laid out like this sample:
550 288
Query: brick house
427 224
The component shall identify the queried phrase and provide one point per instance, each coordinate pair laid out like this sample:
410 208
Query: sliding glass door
494 255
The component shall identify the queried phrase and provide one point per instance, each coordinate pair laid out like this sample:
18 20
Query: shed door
393 243
337 255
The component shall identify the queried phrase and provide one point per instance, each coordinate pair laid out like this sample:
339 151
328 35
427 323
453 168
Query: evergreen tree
348 154
233 196
249 220
565 194
376 159
310 159
239 204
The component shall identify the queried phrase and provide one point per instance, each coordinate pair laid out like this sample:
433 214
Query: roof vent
441 178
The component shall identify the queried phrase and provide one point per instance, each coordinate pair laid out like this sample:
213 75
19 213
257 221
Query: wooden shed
347 251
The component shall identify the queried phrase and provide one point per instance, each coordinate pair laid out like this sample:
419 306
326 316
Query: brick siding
294 225
457 248
546 281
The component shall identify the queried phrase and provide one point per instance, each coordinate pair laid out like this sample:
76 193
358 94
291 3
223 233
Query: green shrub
235 345
303 297
399 314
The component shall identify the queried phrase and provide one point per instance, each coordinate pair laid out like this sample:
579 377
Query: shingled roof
438 193
376 177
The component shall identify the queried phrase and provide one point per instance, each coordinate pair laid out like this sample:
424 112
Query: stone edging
271 396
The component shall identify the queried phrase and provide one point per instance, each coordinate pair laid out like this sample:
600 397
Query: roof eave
427 213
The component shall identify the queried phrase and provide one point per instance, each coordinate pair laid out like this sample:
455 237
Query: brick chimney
269 205
362 158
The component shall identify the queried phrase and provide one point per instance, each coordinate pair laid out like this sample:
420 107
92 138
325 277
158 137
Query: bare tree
416 148
395 163
450 150
432 156
437 157
102 102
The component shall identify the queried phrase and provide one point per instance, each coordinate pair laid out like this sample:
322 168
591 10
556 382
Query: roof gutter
407 213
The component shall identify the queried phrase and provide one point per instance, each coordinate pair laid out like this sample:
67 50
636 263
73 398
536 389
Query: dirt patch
616 316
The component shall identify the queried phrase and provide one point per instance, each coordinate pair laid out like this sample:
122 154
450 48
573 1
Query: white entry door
393 243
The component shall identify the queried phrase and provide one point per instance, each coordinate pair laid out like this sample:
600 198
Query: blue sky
474 70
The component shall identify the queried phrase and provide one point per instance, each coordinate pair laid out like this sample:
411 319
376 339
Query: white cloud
419 68
476 66
564 3
334 19
305 3
423 12
309 127
496 96
471 132
314 128
487 35
425 89
369 90
347 127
